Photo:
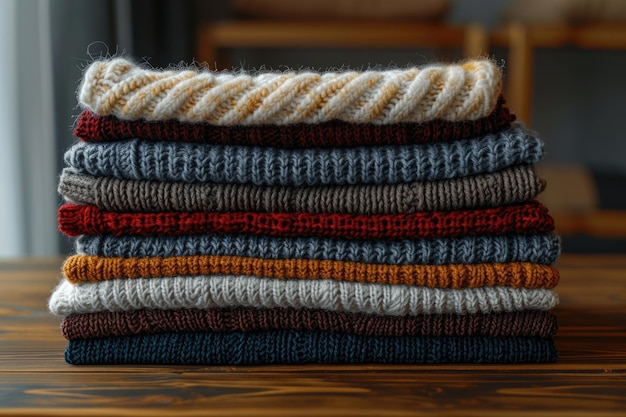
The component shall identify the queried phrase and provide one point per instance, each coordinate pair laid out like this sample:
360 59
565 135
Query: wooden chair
571 196
215 38
522 41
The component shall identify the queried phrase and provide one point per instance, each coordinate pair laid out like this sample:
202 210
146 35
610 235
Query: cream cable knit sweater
247 291
464 91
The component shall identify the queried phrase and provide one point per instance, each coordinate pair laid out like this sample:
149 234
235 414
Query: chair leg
475 43
520 73
205 48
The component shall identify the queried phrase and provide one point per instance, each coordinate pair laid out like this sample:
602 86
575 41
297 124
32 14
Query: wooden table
589 379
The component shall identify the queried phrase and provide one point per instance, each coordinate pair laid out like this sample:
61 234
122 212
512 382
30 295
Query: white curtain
11 207
28 171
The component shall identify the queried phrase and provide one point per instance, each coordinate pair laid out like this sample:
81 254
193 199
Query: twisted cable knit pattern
82 268
543 248
128 323
466 91
511 185
93 128
292 347
527 218
227 291
189 162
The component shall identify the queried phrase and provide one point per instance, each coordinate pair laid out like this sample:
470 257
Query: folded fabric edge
293 347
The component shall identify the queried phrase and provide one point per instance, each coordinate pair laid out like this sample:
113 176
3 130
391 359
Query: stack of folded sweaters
348 217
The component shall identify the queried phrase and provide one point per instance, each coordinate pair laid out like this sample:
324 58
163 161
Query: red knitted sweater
521 219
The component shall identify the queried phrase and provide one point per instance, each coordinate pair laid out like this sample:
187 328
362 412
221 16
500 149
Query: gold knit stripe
478 100
431 89
84 268
348 101
168 90
95 89
387 91
216 102
250 102
121 95
318 98
280 102
184 96
437 104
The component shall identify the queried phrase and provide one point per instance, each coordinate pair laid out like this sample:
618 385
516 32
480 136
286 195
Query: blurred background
564 63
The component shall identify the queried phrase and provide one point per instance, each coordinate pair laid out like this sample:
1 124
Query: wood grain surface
589 379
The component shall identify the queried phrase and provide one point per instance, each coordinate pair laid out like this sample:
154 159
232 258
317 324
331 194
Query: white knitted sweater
213 291
464 91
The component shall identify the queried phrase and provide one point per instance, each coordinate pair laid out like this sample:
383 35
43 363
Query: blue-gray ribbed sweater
187 162
543 248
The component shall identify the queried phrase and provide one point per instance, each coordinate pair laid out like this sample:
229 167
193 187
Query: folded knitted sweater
297 348
511 185
93 128
191 162
128 323
543 248
120 88
527 218
214 291
83 268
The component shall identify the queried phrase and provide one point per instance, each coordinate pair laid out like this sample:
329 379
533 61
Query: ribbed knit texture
292 347
511 185
543 249
83 268
528 218
294 218
216 291
94 128
128 323
465 91
189 162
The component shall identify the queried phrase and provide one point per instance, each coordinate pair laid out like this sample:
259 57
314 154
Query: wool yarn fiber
221 291
537 248
509 186
526 218
293 347
340 217
191 162
128 323
83 268
120 88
